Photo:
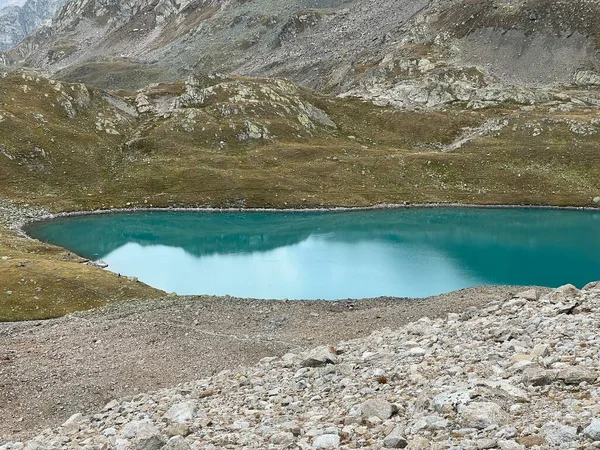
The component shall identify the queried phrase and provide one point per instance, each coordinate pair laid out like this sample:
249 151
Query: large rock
593 284
593 430
562 294
419 443
378 408
319 357
181 412
558 435
586 78
449 401
177 443
395 439
576 375
538 376
530 294
143 434
327 441
481 415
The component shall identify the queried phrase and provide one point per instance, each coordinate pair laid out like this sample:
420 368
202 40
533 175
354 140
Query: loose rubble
13 216
514 375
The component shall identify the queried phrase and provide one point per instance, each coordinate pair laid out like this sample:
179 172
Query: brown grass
375 155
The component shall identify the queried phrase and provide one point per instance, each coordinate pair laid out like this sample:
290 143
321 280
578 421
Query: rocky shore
514 374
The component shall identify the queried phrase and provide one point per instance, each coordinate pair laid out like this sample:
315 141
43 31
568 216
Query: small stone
481 415
240 425
71 425
431 423
110 405
558 435
593 430
417 351
521 357
395 439
74 419
378 408
327 441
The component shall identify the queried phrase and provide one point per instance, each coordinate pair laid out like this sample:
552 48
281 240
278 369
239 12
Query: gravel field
52 369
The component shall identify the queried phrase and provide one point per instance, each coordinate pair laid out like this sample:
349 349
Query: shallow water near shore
416 252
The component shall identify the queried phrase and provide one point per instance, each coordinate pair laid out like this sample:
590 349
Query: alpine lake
406 252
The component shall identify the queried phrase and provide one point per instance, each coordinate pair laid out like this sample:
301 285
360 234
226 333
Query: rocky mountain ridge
516 374
18 22
371 49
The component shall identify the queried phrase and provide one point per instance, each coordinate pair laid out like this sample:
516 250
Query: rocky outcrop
18 22
466 387
408 54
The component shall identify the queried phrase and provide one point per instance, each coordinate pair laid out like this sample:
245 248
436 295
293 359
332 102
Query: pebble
465 392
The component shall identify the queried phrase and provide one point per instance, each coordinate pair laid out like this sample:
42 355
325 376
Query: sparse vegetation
65 147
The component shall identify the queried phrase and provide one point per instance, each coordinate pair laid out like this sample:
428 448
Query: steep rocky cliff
19 21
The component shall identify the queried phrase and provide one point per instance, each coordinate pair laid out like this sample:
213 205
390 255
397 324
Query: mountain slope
332 45
18 22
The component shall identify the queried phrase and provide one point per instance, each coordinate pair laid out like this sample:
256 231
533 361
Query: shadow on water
338 254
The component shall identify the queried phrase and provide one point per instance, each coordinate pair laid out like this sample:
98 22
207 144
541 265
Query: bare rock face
17 22
405 53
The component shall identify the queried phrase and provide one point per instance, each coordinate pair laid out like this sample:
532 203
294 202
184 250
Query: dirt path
52 369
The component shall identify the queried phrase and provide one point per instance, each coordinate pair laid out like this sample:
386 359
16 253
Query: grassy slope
66 160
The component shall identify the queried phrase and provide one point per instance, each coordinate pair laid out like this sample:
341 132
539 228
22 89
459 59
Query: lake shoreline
19 225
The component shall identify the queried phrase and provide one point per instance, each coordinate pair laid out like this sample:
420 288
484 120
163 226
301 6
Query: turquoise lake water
336 255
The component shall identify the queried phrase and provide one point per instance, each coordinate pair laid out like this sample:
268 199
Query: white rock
395 439
481 415
327 441
530 294
177 443
558 435
283 438
181 412
319 357
593 430
377 408
143 434
448 401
